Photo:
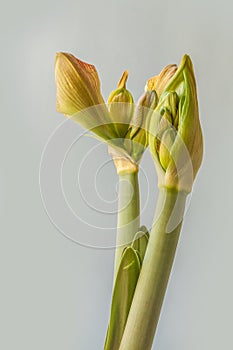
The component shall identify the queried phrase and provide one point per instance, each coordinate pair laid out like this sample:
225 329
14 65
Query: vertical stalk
128 212
151 287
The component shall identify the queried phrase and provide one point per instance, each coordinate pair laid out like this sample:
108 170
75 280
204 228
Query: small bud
166 143
159 82
121 106
139 124
146 104
171 102
165 122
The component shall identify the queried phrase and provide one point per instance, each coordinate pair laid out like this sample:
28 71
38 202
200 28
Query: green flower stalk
130 124
176 145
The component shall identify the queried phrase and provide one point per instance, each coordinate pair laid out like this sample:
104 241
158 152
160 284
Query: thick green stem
151 287
128 212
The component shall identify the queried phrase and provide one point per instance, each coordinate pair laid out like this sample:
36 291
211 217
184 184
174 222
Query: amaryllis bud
78 85
159 82
79 97
171 102
139 124
121 106
165 146
176 139
146 104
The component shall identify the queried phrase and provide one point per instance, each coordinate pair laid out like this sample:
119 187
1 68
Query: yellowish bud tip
159 82
123 80
121 94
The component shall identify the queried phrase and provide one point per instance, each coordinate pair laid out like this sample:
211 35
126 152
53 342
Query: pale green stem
128 221
151 287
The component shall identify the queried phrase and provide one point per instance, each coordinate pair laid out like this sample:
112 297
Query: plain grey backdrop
55 294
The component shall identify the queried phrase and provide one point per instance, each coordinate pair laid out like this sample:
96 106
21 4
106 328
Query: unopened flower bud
146 104
159 82
121 106
166 143
78 85
79 97
171 102
165 122
179 157
139 123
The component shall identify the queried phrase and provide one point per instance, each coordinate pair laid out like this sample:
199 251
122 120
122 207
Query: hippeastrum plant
176 146
121 125
165 118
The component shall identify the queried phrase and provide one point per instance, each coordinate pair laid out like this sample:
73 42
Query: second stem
128 221
151 287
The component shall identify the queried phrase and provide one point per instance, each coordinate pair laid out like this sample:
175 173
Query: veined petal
79 96
78 85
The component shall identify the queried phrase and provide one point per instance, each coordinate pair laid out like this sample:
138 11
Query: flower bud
165 146
139 124
78 85
177 159
146 104
159 82
165 121
171 102
121 106
79 97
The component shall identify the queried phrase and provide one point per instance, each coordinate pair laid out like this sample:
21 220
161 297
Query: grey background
55 294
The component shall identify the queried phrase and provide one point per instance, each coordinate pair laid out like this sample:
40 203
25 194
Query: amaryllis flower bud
79 96
175 135
171 102
139 123
146 104
165 145
159 82
121 106
78 85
